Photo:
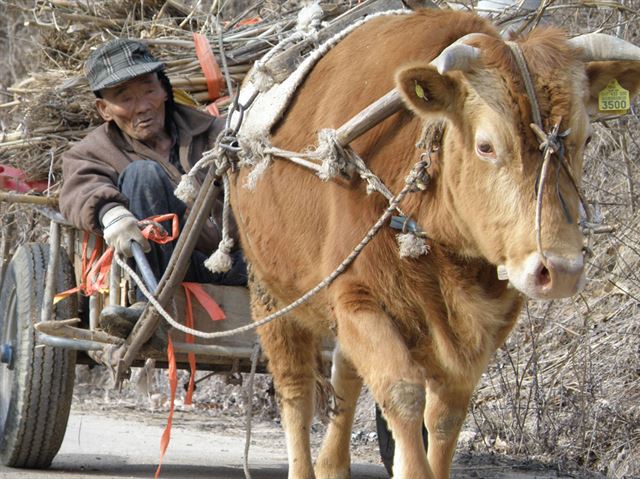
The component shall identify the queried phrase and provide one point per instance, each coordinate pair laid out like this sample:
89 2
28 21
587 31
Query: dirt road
116 445
124 443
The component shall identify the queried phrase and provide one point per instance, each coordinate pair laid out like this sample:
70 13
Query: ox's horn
601 47
458 55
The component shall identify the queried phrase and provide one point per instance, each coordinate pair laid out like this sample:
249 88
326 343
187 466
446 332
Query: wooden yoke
378 111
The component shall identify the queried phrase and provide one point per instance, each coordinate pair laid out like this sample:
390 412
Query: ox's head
489 171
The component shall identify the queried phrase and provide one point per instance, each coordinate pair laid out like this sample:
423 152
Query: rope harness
330 159
417 173
551 145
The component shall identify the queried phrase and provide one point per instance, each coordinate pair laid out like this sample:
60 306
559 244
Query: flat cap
118 61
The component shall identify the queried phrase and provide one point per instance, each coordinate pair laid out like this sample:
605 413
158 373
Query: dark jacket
91 168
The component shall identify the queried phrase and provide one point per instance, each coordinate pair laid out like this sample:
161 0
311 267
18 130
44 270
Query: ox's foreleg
445 411
376 349
292 353
334 459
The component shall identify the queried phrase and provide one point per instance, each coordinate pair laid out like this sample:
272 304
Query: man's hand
120 228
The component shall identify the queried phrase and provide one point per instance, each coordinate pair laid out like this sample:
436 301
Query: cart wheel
36 382
386 443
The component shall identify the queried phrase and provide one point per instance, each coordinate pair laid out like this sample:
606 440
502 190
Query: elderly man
127 168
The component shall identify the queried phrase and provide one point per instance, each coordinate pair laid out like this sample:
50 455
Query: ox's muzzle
555 276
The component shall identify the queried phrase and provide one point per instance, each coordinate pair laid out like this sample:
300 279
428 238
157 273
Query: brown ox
406 326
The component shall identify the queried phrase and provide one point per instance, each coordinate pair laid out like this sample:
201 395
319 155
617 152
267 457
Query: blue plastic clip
403 223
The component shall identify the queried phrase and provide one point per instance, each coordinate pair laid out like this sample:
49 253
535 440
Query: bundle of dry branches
52 105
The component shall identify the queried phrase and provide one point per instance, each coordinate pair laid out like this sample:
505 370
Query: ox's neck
434 209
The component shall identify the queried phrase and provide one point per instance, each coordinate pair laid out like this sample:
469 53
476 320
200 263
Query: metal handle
144 268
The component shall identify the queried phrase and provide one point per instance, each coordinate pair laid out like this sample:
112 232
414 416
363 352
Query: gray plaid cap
118 61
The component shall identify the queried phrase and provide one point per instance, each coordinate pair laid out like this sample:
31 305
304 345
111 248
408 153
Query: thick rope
187 189
220 261
410 180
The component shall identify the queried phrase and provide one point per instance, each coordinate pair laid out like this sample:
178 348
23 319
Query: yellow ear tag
420 91
614 99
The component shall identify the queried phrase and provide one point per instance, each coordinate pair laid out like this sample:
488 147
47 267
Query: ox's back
315 224
361 68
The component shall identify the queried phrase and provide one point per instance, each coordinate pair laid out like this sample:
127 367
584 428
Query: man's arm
89 184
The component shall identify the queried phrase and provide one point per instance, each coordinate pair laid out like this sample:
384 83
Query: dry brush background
565 389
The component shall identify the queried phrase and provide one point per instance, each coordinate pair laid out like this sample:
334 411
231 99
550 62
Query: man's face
136 106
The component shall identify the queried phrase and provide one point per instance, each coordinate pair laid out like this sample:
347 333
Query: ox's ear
427 92
602 73
608 58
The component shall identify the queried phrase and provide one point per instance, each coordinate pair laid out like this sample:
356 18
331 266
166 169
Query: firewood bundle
51 107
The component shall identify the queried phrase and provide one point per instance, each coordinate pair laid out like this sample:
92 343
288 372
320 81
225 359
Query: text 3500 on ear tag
613 99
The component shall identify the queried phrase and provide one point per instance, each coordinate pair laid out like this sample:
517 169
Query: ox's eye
485 150
587 141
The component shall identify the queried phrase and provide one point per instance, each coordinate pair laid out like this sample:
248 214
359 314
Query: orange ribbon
215 313
87 266
94 278
209 65
173 384
249 21
94 275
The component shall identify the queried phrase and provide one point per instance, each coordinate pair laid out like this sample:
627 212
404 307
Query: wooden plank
234 301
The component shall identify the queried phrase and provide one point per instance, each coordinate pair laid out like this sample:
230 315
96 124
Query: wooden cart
39 349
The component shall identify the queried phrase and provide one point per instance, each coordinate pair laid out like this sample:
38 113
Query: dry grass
49 106
565 389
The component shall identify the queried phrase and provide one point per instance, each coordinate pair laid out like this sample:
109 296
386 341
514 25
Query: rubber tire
37 391
386 443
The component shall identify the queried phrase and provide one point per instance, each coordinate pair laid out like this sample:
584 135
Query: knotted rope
414 175
220 261
187 189
551 145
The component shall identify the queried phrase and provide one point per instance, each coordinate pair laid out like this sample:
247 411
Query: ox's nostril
566 266
543 278
549 277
